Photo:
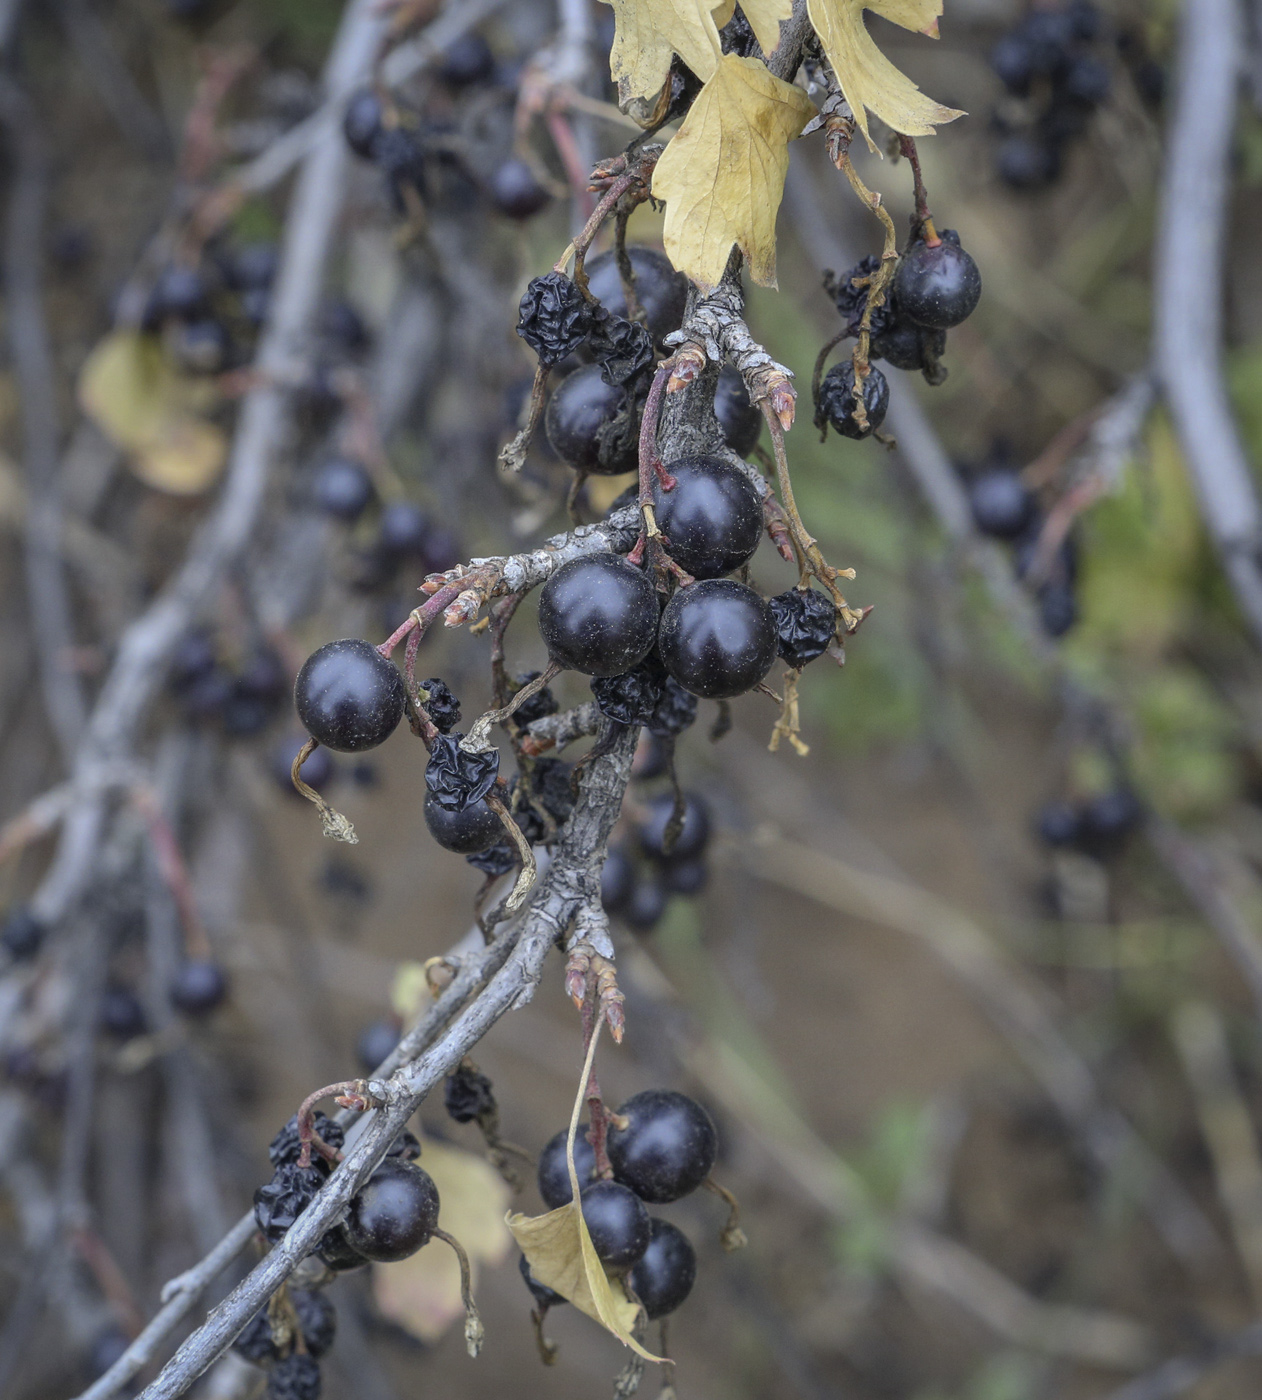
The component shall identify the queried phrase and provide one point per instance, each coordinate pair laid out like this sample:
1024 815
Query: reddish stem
174 873
567 148
402 630
354 1090
924 219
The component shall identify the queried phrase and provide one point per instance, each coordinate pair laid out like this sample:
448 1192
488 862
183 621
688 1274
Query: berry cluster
243 695
1097 825
664 855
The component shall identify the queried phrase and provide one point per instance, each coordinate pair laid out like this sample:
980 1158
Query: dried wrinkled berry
297 1377
555 317
468 1094
805 623
624 349
279 1202
285 1148
457 779
316 1316
541 704
550 787
675 711
633 697
836 403
852 301
441 705
496 860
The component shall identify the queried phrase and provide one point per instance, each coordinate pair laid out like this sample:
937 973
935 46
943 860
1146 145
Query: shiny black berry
554 1178
297 1377
278 1203
664 1276
937 285
476 828
467 1093
598 615
667 1148
544 1296
198 987
739 420
717 638
514 190
836 404
286 1146
362 122
349 696
660 290
394 1213
644 908
806 622
1001 504
590 425
712 517
617 1222
688 841
342 488
22 933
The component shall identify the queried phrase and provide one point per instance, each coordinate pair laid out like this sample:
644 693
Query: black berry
337 1253
403 531
278 1203
466 61
1108 819
457 779
644 909
1001 504
544 1296
686 877
342 488
836 403
554 317
286 1146
541 704
316 1316
623 349
476 828
553 1176
617 1222
617 876
253 267
938 285
317 771
362 122
675 711
689 840
906 345
374 1043
22 933
598 615
198 987
467 1093
1059 825
1028 161
660 290
297 1377
514 190
712 518
664 1276
717 638
440 704
667 1148
589 424
349 696
180 292
739 421
806 622
633 697
394 1213
122 1014
1058 607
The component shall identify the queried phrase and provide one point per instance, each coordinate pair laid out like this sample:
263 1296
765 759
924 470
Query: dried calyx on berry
468 1093
633 697
440 704
806 622
457 779
554 317
286 1146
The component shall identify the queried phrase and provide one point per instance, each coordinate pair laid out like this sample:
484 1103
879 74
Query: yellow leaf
140 402
764 18
722 177
422 1293
648 33
868 79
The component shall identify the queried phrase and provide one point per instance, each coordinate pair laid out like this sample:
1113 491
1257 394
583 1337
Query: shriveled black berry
660 290
394 1213
622 348
1059 824
456 779
553 1176
551 787
938 285
285 1147
686 877
554 317
1002 506
664 1276
440 704
22 933
675 711
544 1296
598 615
590 424
342 488
515 191
667 1148
836 403
466 831
617 876
541 704
739 420
316 1316
467 1093
122 1014
688 841
805 624
712 517
362 122
633 697
851 301
644 908
279 1202
617 1222
717 638
199 987
297 1377
348 696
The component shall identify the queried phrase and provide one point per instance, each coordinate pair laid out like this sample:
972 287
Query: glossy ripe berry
739 420
617 1222
717 638
692 837
394 1213
581 425
553 1176
712 517
362 122
661 291
22 933
598 615
644 909
515 191
348 696
342 488
1001 504
836 403
297 1377
664 1276
198 987
937 285
667 1148
477 828
544 1296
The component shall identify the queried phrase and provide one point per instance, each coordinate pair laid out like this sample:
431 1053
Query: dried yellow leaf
869 81
764 18
140 402
722 177
648 33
